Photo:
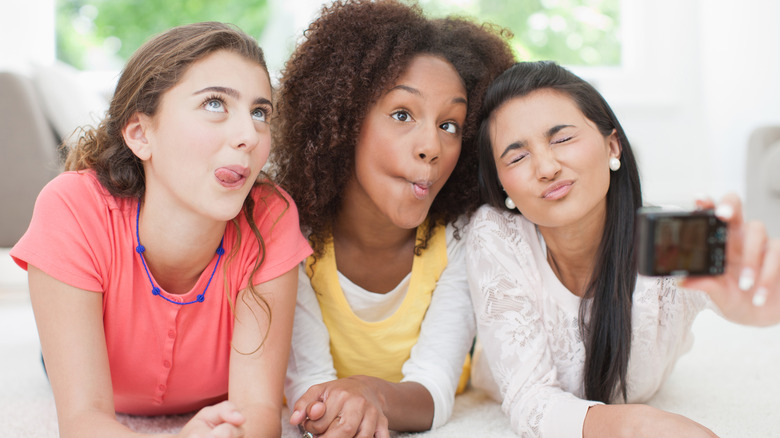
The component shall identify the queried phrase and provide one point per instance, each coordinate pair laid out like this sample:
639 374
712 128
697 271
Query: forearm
407 405
639 421
98 425
262 421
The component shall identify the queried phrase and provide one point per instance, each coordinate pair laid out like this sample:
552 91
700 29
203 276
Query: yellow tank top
380 348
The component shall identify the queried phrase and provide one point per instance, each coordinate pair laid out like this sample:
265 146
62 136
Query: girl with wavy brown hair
162 263
375 143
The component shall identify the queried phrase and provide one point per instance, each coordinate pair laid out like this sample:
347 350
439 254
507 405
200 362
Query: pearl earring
510 204
614 164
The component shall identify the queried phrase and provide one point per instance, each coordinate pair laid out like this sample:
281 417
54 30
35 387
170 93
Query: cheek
450 157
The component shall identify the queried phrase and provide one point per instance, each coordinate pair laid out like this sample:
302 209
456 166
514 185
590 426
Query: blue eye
401 116
214 104
450 127
259 114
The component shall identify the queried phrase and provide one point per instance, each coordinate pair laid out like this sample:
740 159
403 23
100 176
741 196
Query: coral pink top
164 358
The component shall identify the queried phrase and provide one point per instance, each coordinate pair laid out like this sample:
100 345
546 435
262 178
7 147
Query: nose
246 134
547 165
428 144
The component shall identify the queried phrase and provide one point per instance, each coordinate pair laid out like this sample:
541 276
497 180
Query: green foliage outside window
571 32
101 34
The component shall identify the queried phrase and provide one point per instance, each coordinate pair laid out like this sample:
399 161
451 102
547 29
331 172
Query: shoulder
78 194
490 221
82 185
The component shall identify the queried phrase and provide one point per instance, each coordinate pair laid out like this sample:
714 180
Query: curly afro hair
351 55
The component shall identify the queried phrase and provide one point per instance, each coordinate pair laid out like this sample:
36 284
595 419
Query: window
571 32
102 34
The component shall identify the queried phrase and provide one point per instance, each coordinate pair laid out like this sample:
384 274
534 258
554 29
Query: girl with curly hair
376 122
162 274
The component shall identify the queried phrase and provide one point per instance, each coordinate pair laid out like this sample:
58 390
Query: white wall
26 34
699 75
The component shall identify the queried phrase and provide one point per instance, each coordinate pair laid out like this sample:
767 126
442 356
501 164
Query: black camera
680 242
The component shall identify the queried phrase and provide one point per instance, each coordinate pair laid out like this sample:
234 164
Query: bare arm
257 374
70 326
638 421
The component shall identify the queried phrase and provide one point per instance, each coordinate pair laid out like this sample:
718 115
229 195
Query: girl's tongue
228 177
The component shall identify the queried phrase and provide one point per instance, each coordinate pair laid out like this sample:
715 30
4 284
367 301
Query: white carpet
729 382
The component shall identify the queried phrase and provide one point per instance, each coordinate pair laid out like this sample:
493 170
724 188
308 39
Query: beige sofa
39 109
762 200
28 154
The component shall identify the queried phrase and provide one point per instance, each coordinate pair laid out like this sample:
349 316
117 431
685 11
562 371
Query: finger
382 428
704 202
316 410
368 425
729 210
323 424
769 275
225 411
754 244
312 395
226 430
343 426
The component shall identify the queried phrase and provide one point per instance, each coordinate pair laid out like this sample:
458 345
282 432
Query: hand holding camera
748 289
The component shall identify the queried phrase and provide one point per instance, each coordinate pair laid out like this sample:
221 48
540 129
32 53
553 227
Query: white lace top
532 356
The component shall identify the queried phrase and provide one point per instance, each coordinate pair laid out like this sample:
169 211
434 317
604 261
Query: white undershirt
436 360
370 306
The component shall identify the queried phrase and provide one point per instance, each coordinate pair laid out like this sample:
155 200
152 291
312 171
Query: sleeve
506 294
310 362
284 246
446 335
67 237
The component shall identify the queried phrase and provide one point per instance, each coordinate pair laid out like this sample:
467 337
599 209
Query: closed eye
562 140
517 158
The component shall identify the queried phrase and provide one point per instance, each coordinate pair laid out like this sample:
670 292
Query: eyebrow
417 92
232 92
521 144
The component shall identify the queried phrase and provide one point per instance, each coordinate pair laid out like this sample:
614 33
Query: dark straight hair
608 298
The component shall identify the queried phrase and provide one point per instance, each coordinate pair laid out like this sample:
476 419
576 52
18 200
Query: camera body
686 243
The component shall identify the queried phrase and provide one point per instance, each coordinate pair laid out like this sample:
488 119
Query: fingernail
746 279
759 298
701 197
724 211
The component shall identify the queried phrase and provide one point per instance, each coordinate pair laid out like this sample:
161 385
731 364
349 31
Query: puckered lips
421 188
232 176
557 190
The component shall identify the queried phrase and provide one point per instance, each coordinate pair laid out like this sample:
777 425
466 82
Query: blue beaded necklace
156 290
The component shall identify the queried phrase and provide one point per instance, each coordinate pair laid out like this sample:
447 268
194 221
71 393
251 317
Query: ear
135 136
613 143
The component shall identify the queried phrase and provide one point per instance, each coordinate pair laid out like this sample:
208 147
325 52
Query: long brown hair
154 68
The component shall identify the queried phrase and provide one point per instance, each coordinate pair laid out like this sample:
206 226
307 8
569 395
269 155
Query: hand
640 421
748 292
348 407
222 420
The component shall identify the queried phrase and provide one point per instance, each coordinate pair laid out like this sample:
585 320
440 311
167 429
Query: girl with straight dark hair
566 324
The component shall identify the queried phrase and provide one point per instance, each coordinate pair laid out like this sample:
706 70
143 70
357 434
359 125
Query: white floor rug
730 381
